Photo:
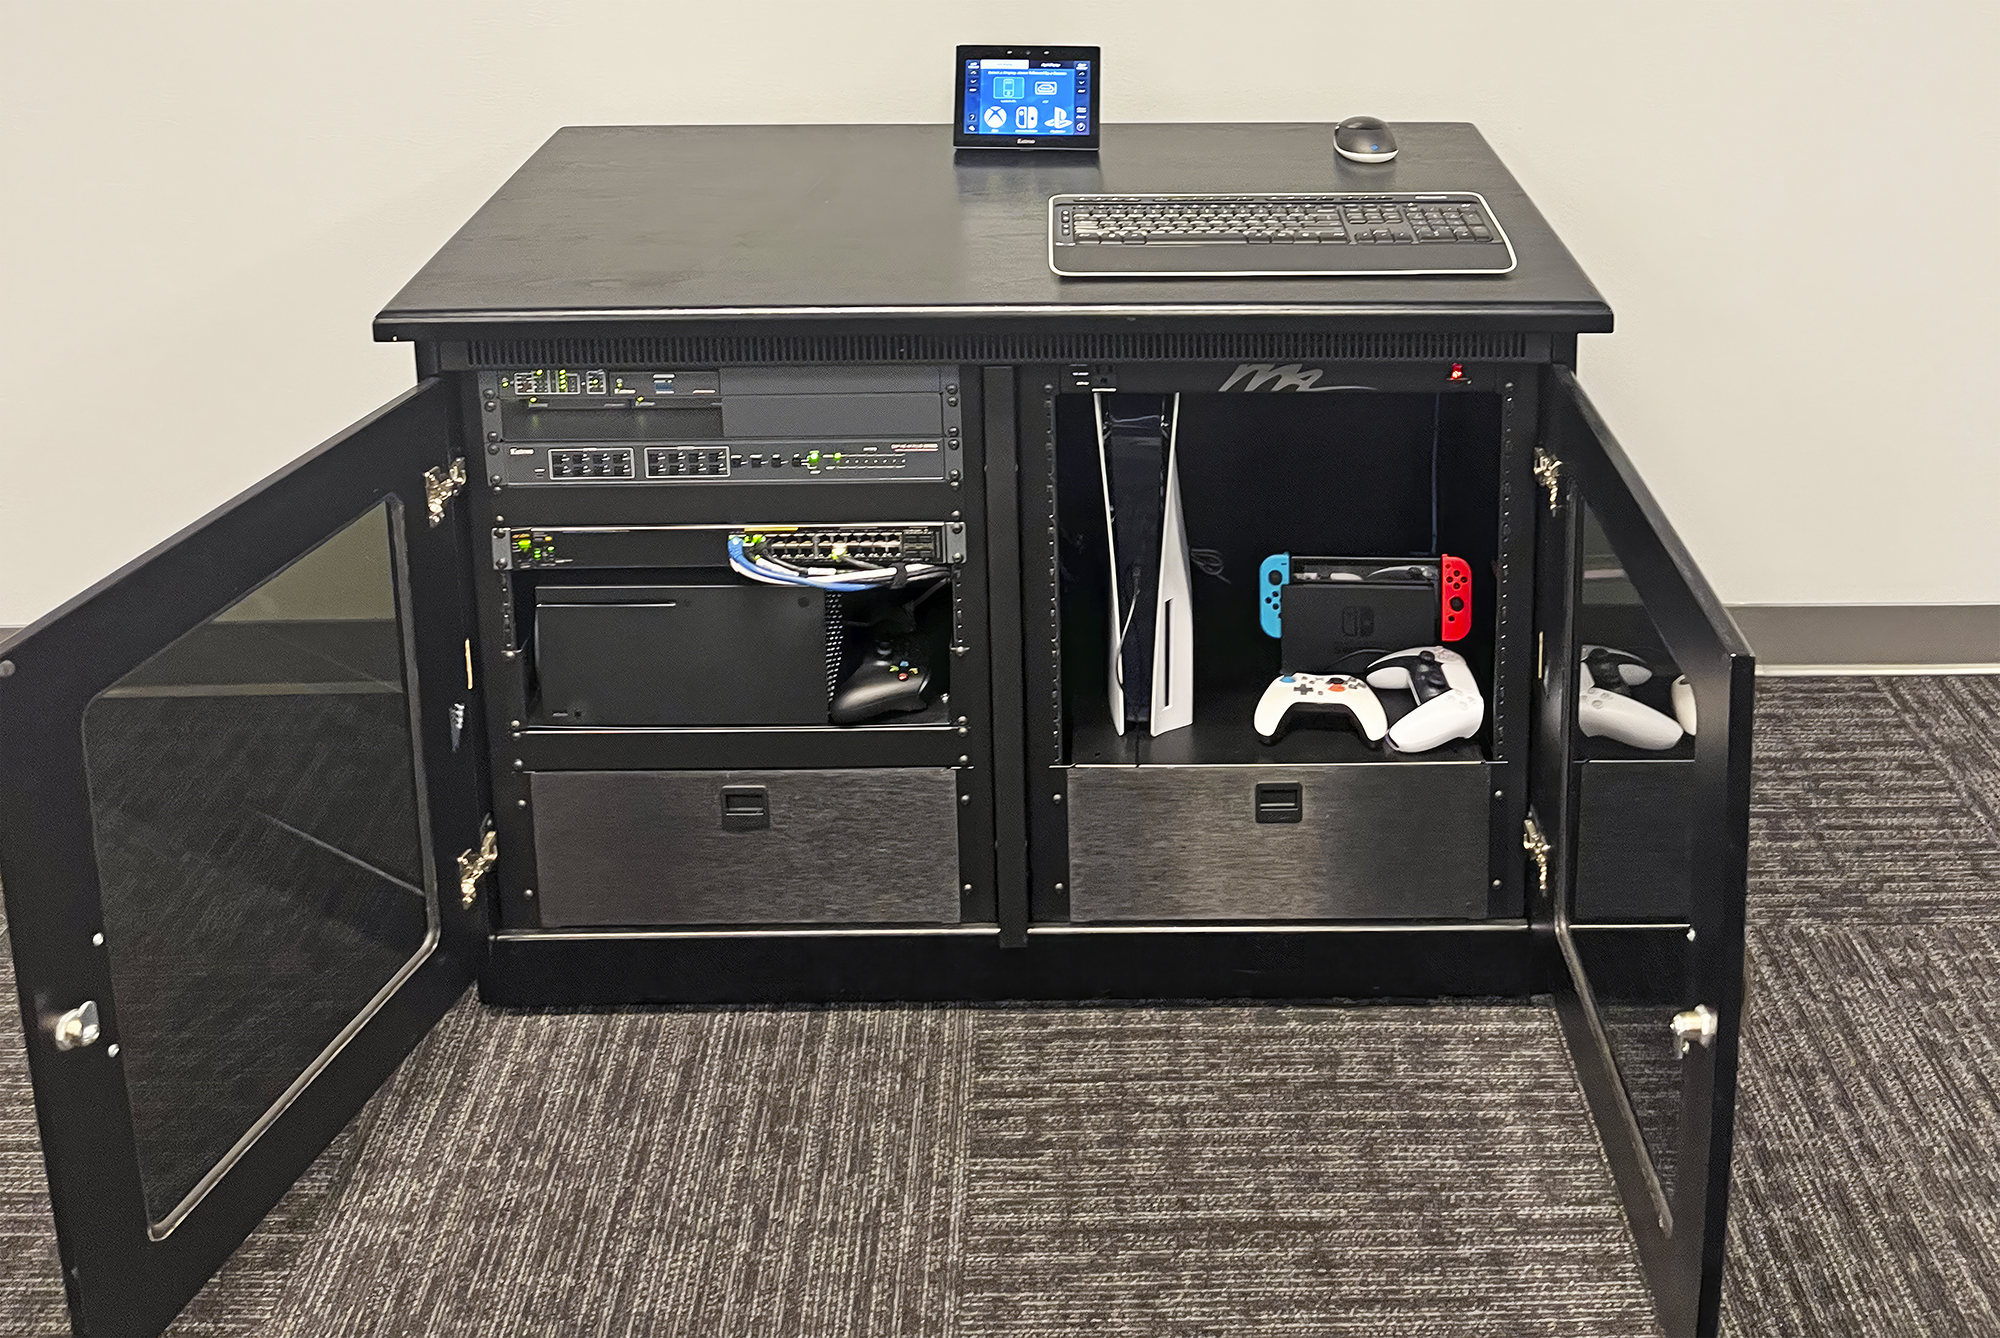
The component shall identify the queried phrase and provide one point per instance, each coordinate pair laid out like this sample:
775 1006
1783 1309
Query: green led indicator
812 457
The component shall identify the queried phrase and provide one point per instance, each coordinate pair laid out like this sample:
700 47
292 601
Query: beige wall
203 204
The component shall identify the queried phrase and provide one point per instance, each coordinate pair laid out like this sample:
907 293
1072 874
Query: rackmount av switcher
741 425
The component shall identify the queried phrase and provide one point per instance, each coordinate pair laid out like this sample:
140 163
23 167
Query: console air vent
745 350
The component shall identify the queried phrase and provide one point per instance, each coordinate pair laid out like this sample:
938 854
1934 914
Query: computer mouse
1363 139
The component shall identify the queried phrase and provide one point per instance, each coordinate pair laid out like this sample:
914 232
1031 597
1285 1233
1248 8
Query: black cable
1377 651
1437 409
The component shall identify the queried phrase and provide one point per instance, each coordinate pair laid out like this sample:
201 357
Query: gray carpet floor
1190 1170
1867 1170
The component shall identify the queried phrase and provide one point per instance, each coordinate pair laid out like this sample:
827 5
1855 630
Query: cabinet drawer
1389 841
873 846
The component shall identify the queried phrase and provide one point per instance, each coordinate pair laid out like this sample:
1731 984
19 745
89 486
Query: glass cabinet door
236 778
1646 692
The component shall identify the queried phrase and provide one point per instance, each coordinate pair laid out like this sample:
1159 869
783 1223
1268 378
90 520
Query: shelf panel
1222 735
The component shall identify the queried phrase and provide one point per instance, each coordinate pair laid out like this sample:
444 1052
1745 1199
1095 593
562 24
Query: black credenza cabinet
478 689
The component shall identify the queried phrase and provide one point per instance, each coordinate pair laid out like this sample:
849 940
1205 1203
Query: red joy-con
1454 597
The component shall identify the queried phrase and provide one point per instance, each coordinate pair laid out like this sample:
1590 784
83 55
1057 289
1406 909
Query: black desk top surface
883 227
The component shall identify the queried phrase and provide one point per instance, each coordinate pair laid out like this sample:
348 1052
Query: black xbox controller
892 679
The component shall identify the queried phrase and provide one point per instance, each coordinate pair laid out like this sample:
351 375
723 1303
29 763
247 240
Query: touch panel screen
1027 97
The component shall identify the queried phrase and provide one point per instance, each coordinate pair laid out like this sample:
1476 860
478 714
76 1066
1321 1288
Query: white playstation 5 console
1151 679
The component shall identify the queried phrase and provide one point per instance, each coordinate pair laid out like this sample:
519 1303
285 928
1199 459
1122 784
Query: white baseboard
1872 638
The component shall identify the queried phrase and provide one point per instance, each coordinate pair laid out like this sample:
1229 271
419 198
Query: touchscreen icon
996 117
1058 119
1025 117
1010 87
1045 88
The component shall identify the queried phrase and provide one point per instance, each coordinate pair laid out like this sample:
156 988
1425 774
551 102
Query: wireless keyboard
1239 236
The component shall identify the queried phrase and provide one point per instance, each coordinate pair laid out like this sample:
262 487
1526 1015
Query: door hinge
1696 1026
441 484
1548 473
1537 847
472 868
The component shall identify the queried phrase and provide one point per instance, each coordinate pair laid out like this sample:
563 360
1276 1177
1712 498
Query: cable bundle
844 573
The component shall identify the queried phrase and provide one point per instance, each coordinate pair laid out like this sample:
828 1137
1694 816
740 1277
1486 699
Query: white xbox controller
1448 702
1292 695
1601 713
1683 694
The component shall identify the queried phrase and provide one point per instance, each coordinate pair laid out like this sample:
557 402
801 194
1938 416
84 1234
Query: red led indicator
1458 371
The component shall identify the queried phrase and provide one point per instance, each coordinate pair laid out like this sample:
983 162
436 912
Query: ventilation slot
836 642
747 350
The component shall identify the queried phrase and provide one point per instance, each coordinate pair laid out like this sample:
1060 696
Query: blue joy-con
1272 578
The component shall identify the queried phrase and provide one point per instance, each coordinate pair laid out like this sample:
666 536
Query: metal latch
441 484
1537 846
472 868
78 1027
1697 1025
1548 473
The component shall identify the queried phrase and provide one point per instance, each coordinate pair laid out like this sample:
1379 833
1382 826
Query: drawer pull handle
745 808
1280 803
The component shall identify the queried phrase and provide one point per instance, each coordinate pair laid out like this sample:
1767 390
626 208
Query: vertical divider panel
500 673
1005 643
977 688
1514 640
1047 822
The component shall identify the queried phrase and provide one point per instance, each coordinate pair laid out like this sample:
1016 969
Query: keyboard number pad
1448 223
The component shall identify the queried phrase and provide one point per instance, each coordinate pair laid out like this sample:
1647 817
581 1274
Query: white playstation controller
1448 702
1601 713
1683 695
1293 695
1613 668
1605 709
